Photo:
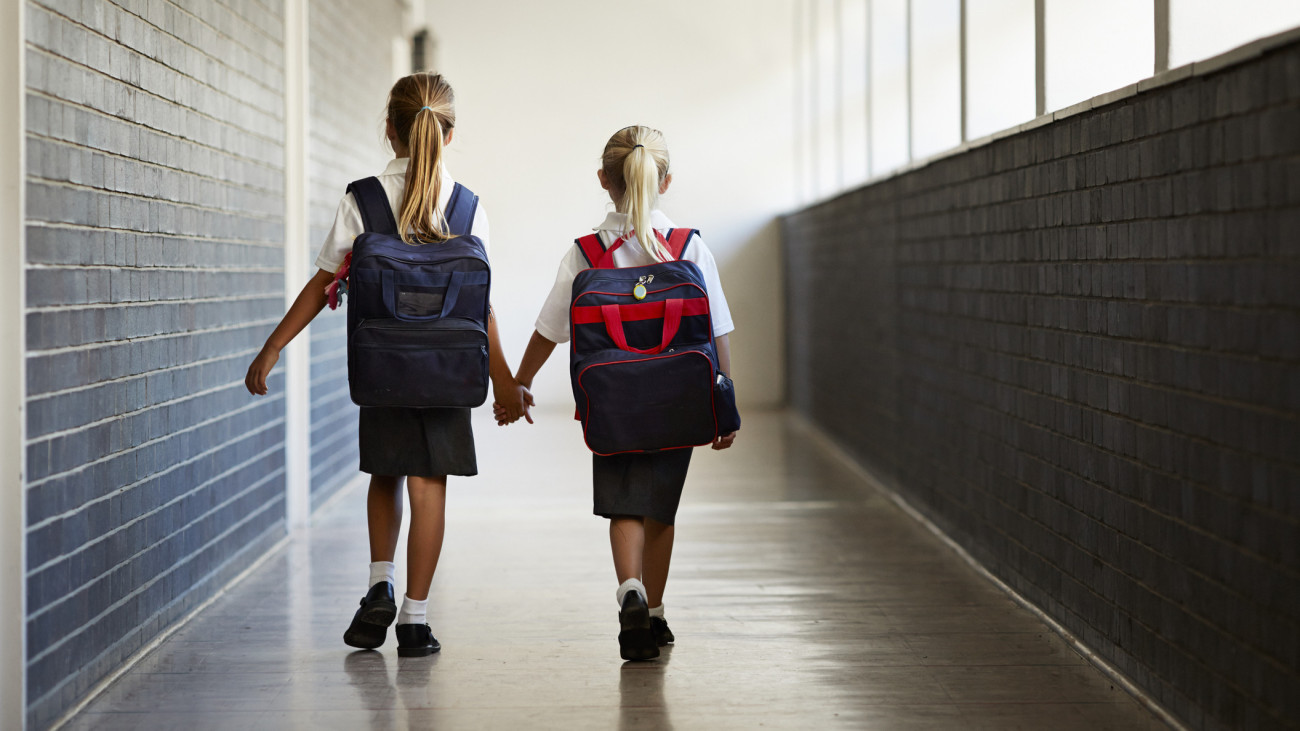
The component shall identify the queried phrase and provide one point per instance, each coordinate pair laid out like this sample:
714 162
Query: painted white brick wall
155 139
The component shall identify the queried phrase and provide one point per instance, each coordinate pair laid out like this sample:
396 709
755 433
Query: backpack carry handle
614 326
452 281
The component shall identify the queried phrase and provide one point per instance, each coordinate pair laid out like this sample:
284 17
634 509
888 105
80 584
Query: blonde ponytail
636 161
422 109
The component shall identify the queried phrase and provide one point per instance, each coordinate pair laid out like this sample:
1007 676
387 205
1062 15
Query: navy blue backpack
417 314
643 364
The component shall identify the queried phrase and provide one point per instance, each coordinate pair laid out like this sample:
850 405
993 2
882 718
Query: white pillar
1162 37
297 356
867 73
13 385
1040 57
907 35
962 55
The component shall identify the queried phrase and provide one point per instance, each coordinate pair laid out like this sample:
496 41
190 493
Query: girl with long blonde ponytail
635 161
637 491
421 108
420 446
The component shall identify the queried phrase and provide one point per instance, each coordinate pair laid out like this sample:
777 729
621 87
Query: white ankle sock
382 571
627 586
413 611
657 611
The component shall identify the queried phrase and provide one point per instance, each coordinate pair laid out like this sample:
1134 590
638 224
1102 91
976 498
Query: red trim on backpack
591 314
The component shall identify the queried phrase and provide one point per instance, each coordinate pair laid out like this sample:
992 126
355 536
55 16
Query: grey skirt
416 442
646 485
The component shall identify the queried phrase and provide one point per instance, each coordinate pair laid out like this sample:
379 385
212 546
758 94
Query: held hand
502 416
528 403
512 402
724 441
259 369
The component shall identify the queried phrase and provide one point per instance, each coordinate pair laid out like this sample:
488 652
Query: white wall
886 80
540 87
1095 47
1201 28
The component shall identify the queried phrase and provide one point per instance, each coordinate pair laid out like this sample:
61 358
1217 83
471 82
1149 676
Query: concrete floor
800 599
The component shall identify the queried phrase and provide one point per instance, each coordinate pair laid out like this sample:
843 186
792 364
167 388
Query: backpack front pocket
419 365
648 404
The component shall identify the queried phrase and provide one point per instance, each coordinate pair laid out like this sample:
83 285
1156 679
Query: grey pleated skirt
646 485
416 442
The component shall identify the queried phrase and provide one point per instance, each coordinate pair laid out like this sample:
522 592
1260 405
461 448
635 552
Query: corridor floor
800 598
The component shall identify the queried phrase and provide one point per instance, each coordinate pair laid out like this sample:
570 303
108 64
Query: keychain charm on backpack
639 290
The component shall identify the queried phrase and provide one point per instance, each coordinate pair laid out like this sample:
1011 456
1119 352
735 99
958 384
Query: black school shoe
636 641
370 623
663 635
416 640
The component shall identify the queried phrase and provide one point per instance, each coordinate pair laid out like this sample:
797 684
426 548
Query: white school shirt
347 221
553 322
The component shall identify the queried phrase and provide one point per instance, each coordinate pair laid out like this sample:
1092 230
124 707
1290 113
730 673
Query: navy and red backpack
642 361
417 314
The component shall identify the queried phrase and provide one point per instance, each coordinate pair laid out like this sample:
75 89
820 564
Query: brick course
155 148
1077 350
154 206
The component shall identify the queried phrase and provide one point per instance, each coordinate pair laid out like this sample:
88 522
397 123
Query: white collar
398 165
615 221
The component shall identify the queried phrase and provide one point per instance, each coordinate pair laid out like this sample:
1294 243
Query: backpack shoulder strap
460 211
376 214
592 249
678 238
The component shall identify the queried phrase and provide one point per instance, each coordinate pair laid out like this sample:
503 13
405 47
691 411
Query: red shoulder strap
678 238
598 256
591 248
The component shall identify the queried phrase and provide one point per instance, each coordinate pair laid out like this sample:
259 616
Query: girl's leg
658 553
627 541
384 521
384 516
428 497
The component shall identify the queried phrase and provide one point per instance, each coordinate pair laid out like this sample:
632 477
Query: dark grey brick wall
155 207
1077 350
351 72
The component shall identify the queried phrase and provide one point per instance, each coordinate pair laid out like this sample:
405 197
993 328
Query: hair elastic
424 108
636 146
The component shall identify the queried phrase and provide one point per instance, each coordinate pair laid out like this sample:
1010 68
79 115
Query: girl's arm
535 355
311 300
513 398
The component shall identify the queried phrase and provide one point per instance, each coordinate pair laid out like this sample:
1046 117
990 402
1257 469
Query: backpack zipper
629 294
